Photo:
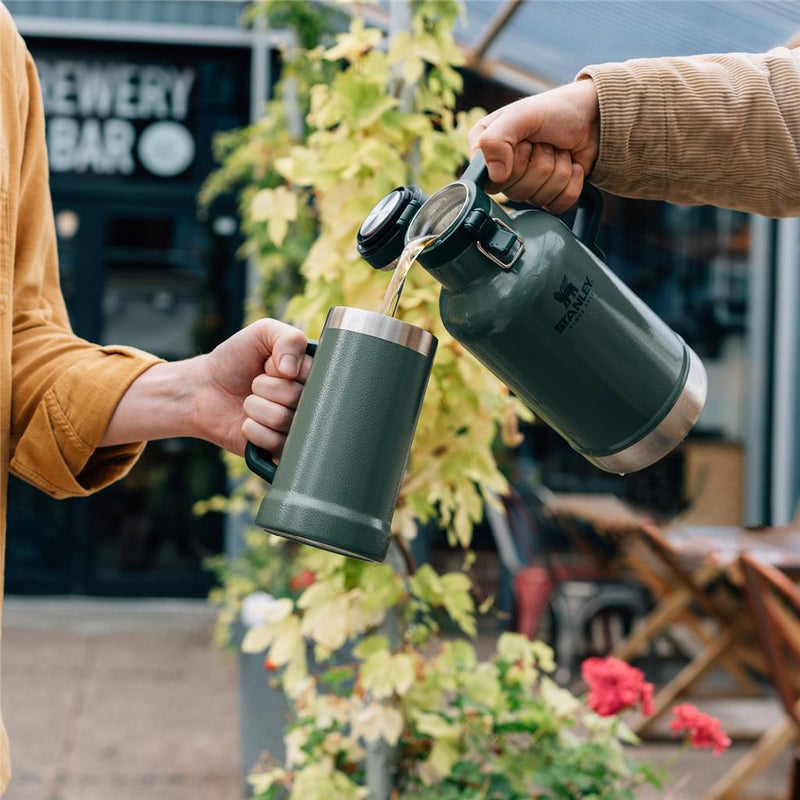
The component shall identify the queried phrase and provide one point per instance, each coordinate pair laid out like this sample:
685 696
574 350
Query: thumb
284 344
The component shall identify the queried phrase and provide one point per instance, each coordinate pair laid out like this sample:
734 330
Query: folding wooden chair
673 584
699 577
774 601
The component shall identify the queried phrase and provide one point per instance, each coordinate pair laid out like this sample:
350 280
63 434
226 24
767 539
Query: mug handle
259 460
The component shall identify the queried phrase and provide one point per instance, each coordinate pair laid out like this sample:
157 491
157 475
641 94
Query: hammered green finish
337 481
564 333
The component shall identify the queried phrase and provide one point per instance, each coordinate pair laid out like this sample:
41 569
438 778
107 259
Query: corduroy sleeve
64 389
717 129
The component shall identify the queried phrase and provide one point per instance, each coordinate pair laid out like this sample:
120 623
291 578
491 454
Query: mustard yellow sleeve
64 389
717 129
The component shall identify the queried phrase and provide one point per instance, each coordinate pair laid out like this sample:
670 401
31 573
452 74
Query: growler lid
382 235
461 217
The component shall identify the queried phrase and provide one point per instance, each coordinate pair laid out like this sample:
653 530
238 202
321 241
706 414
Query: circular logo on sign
166 148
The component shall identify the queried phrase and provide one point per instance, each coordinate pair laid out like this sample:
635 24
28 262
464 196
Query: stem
408 559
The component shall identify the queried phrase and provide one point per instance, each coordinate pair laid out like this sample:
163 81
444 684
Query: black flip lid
382 235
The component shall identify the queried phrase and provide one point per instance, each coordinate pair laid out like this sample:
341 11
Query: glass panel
39 543
159 295
146 537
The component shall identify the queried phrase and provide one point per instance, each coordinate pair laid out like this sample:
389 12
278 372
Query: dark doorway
153 276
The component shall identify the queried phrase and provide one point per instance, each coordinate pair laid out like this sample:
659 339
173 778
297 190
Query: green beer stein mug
339 475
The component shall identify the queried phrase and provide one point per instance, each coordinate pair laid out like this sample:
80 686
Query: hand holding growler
533 301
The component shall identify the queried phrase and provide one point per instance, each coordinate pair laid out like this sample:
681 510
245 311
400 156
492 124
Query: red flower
703 729
615 686
302 580
270 665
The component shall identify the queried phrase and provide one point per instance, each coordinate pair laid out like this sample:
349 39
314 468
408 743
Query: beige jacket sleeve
717 129
63 389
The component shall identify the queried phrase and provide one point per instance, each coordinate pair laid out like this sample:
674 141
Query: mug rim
381 326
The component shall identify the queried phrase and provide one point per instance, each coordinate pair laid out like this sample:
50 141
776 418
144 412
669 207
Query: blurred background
133 94
134 91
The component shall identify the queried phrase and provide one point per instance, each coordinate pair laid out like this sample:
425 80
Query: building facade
133 93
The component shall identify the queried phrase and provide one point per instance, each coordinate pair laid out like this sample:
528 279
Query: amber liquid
391 300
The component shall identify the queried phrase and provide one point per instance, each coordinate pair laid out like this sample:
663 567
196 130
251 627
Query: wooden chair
682 592
775 606
701 581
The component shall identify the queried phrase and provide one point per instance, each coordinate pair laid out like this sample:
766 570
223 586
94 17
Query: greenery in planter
460 727
302 199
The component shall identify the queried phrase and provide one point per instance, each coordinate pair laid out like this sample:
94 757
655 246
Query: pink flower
703 729
615 686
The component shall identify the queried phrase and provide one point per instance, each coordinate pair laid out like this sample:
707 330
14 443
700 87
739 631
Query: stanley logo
566 292
574 300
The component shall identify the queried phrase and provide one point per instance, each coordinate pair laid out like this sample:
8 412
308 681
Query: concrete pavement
125 700
118 700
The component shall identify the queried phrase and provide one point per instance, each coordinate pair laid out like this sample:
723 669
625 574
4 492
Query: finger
268 439
556 182
278 390
518 122
268 413
537 172
522 158
569 196
305 367
281 343
477 130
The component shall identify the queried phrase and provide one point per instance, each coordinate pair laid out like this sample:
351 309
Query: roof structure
546 42
527 44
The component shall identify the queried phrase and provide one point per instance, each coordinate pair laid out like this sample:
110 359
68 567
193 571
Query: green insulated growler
532 300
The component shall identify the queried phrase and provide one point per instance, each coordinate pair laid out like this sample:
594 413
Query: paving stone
118 700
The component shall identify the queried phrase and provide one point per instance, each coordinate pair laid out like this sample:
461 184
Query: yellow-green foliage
303 202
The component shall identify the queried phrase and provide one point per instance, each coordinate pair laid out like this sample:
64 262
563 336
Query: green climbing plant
358 647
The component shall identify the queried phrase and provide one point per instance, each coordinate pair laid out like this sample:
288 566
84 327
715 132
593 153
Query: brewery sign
117 117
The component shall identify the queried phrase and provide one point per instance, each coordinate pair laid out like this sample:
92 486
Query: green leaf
369 646
327 623
435 725
276 207
384 674
427 585
443 755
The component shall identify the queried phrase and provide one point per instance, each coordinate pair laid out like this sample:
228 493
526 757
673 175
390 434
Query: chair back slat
775 605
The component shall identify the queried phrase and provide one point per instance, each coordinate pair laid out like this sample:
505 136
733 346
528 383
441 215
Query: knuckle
257 386
263 437
563 170
572 192
282 417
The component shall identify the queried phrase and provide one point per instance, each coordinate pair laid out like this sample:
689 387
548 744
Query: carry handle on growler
534 302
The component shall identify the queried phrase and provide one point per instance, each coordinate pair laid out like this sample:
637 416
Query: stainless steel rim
670 432
439 212
382 327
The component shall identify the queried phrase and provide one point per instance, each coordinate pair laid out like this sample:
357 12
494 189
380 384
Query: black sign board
138 112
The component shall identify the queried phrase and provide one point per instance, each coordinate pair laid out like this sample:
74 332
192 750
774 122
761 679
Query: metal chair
549 572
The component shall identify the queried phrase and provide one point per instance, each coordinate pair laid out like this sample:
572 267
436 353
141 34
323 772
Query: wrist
588 107
159 404
198 384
